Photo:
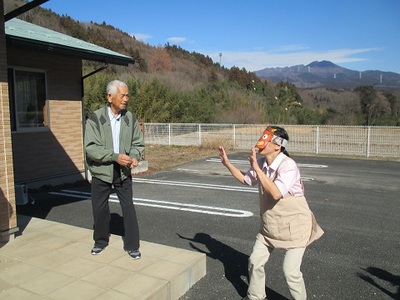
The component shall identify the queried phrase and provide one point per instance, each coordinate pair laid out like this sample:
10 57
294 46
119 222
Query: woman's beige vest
286 223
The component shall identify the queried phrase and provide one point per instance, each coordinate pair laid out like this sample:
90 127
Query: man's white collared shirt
115 129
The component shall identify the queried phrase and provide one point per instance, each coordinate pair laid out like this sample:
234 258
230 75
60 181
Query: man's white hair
112 87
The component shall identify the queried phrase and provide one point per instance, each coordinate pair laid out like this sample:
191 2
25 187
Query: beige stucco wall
57 152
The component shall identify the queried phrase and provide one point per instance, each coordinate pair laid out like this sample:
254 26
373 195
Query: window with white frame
28 99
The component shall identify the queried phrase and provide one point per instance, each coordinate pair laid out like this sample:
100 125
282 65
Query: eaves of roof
28 35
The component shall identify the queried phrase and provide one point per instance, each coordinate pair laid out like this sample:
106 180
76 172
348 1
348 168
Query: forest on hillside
169 84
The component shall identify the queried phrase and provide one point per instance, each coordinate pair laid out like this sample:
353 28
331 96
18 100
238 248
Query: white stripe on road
230 188
307 179
211 210
244 162
70 193
198 185
234 161
311 166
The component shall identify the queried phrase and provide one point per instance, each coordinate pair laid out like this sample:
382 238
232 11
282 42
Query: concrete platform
50 260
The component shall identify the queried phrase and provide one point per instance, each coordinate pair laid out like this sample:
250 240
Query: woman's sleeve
287 175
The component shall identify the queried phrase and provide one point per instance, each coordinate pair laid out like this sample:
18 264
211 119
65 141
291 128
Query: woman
286 220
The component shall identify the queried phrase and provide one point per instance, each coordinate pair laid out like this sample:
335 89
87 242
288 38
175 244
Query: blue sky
254 34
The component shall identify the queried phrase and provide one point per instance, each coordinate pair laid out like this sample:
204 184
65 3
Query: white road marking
233 161
188 170
307 178
211 210
311 166
73 194
243 162
239 188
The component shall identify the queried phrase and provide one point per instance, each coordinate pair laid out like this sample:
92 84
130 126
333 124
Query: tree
394 104
287 95
95 92
368 101
160 61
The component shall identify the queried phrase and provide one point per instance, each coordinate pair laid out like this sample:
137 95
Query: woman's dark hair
281 132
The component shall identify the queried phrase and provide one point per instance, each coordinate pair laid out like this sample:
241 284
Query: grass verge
161 157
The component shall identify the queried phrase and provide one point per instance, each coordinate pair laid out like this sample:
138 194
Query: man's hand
126 161
134 163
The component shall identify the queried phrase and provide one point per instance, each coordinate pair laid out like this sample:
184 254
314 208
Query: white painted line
307 178
243 162
63 193
76 192
311 166
246 189
211 210
188 170
234 161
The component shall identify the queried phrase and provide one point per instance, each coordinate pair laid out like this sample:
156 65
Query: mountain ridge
329 75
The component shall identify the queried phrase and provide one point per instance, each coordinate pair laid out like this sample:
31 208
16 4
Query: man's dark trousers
101 212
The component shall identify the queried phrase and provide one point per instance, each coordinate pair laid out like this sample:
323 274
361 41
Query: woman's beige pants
291 270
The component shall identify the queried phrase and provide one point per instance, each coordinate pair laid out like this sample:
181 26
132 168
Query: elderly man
113 144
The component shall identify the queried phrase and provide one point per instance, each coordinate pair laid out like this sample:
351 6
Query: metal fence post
169 134
234 136
368 139
199 134
317 141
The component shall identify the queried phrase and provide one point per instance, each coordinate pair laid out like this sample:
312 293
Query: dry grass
165 157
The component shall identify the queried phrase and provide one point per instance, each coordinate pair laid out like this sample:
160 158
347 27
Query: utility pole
220 55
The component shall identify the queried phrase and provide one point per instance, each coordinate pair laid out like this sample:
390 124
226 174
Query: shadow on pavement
234 262
382 275
49 198
43 200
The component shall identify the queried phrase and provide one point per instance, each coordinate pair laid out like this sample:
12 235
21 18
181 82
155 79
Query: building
41 107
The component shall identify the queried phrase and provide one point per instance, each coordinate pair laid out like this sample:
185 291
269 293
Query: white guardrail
366 141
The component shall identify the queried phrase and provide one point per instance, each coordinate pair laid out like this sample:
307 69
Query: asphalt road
199 206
